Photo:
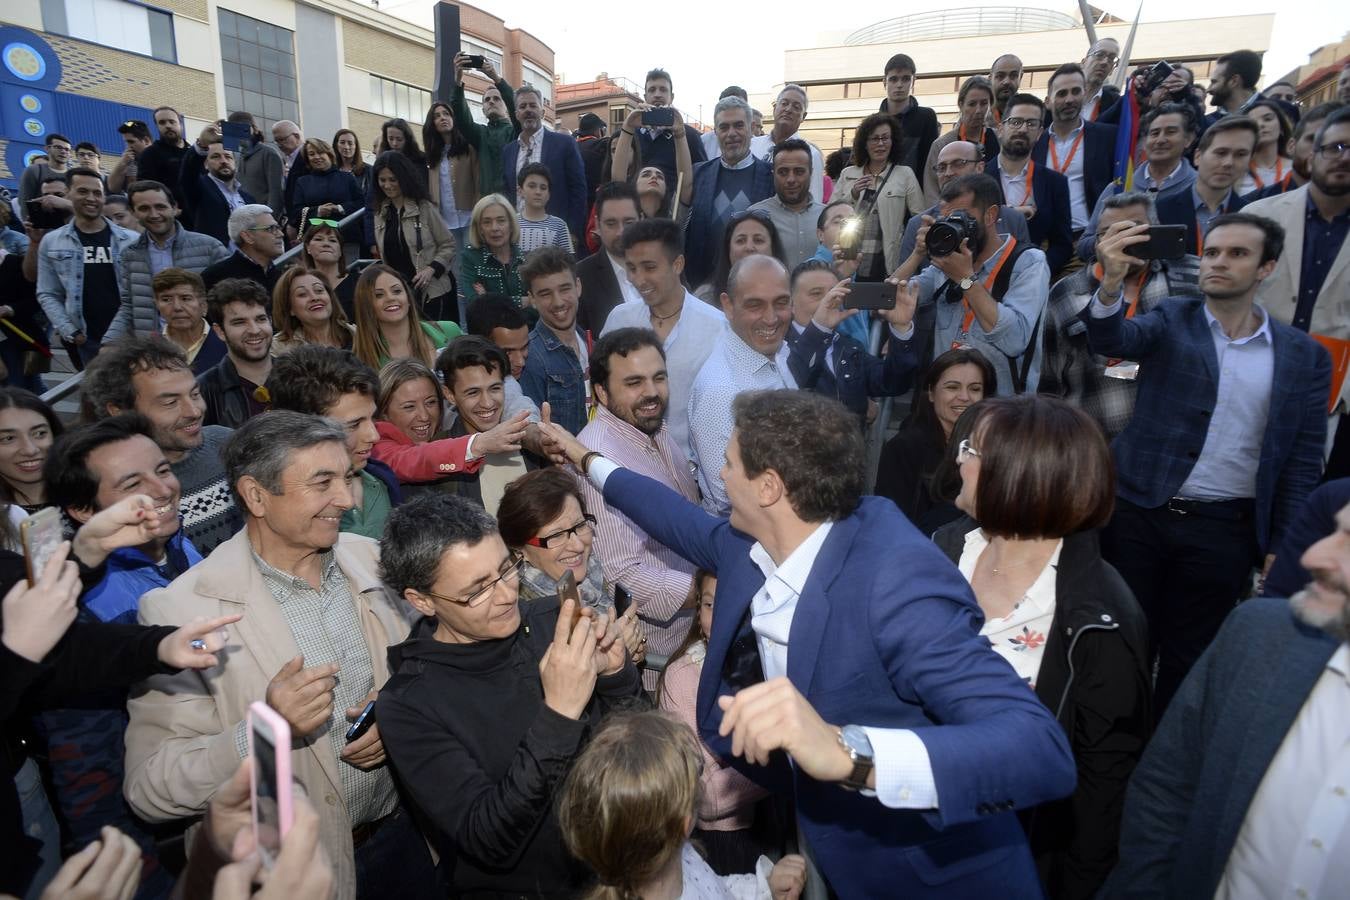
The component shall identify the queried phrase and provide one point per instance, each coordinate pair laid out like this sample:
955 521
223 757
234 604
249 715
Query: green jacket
487 139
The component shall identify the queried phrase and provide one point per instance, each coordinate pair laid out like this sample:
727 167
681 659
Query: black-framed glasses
506 574
954 165
1332 151
274 228
1029 124
331 223
558 538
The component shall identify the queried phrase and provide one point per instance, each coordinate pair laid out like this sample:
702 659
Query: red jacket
414 463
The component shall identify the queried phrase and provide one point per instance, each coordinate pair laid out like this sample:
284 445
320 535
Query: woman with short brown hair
1037 481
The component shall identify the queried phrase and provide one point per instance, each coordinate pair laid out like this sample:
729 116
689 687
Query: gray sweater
207 507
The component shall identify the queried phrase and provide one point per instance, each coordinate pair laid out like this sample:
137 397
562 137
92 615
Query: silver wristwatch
966 283
854 739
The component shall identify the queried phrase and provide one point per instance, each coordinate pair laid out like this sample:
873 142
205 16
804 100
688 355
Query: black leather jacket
223 393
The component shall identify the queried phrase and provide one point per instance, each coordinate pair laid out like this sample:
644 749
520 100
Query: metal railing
295 251
71 385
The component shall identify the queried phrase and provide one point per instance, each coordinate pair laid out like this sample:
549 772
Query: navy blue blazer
700 244
886 633
1191 790
567 194
1051 228
204 206
1179 209
1099 158
857 374
1178 386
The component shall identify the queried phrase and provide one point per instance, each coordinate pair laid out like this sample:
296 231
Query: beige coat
901 194
181 741
438 244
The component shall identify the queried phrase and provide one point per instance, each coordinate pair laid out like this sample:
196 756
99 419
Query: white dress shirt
1078 210
687 347
630 293
732 367
904 772
1295 840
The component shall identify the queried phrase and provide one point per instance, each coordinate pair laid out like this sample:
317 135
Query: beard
648 425
1308 611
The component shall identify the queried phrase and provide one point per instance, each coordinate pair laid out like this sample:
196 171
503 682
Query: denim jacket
60 286
552 372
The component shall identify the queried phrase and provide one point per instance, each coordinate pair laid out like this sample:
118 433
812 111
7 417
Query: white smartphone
269 744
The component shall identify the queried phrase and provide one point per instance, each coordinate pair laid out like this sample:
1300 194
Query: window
113 23
258 65
825 91
617 116
541 80
396 100
473 46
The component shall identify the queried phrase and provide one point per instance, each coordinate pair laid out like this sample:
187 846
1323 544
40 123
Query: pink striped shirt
657 577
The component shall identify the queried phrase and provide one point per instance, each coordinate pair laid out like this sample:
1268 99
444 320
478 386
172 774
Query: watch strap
862 767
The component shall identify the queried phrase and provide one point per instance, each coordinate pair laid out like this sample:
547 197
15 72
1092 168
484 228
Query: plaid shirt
327 629
1072 372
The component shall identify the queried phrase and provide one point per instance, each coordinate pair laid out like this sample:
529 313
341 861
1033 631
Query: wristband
586 461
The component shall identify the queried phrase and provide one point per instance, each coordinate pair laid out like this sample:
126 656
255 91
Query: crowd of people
549 452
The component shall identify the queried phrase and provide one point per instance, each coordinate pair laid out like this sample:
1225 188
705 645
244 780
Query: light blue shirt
161 258
1019 324
1231 455
1203 214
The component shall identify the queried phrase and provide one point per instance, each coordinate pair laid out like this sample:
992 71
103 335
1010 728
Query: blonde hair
630 800
288 327
398 372
476 219
369 345
323 147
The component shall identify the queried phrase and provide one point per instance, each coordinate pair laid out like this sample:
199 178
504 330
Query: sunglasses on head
332 223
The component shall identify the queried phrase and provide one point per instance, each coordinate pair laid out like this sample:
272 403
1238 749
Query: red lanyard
988 286
1068 160
1279 173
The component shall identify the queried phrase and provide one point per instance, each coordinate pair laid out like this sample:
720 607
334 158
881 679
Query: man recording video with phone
983 290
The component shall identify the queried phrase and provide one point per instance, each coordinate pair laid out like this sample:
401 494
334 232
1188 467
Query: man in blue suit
1226 439
724 186
855 620
1034 189
536 144
1084 152
1221 161
1242 791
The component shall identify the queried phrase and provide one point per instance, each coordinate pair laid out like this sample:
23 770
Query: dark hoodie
482 756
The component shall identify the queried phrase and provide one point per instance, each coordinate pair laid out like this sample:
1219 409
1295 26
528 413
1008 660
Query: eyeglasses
1333 151
1104 54
966 452
1029 124
274 228
879 139
558 538
507 574
954 166
332 223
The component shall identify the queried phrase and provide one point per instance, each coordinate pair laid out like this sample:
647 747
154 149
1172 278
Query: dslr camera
946 234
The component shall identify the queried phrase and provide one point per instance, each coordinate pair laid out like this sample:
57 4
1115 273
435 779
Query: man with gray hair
750 355
536 144
789 111
724 185
312 644
1104 388
256 237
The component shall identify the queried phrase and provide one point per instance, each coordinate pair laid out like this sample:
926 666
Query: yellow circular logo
24 62
30 103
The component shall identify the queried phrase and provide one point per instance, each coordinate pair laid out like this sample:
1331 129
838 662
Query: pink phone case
261 713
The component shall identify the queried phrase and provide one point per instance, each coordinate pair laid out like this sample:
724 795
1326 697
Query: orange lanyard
1031 171
961 135
1068 160
1279 173
998 117
1132 288
988 285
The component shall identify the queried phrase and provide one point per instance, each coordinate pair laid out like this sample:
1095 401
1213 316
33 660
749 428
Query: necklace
660 318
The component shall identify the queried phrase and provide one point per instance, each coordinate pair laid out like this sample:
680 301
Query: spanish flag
1127 140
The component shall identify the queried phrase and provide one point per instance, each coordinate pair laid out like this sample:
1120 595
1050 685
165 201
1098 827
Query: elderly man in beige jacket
312 643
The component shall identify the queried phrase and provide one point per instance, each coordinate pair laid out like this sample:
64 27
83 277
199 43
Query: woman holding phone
884 192
491 699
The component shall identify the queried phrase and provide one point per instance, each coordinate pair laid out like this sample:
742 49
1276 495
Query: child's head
628 804
535 183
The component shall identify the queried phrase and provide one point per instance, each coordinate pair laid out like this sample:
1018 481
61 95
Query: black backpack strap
999 288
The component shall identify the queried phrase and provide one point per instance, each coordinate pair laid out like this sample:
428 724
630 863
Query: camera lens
943 238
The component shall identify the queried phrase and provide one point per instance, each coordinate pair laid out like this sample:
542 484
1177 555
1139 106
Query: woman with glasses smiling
491 699
885 193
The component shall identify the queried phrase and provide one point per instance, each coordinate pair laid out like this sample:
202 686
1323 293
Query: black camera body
946 234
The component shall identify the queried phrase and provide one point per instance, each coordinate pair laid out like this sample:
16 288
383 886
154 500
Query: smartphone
236 136
870 295
269 744
362 723
1158 74
568 590
1164 242
622 600
42 217
41 534
475 61
659 116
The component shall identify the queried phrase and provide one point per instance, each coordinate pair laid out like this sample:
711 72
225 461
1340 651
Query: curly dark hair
860 156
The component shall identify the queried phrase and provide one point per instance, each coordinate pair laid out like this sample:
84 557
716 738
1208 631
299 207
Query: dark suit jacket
1099 159
700 239
1179 209
1051 228
567 196
1178 386
1315 520
204 206
857 374
600 292
885 633
1192 789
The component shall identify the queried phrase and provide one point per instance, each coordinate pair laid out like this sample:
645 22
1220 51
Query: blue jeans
459 234
39 824
11 352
